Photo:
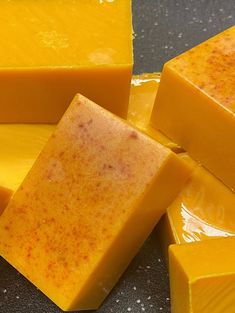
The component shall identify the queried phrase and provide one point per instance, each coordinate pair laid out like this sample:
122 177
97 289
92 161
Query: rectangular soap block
21 143
203 210
202 276
78 207
195 104
51 50
142 96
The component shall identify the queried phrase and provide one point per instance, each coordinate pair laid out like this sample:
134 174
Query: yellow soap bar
78 207
203 210
50 50
142 96
195 104
21 143
202 277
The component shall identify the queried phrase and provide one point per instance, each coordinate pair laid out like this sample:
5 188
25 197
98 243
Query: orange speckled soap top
80 192
64 33
211 67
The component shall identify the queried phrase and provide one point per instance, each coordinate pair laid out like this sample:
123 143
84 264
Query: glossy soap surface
203 210
202 276
144 89
143 93
79 201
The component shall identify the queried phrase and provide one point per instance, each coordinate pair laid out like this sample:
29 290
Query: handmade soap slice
142 96
21 143
202 276
198 112
203 210
92 197
50 50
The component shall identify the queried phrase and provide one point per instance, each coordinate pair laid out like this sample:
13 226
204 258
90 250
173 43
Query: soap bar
203 210
78 207
51 50
198 112
21 143
202 276
142 96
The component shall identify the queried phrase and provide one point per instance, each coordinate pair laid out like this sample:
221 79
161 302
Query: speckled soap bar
195 104
78 209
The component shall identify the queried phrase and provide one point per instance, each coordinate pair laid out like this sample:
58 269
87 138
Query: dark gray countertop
163 28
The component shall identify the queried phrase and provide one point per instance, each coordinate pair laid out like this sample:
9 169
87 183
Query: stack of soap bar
50 50
78 208
203 210
202 277
195 104
20 146
142 96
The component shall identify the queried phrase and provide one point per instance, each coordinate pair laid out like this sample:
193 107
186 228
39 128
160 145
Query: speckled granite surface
163 28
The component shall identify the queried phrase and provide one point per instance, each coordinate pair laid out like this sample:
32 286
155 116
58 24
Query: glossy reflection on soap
144 88
203 210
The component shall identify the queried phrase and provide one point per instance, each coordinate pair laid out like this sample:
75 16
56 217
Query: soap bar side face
90 180
143 92
194 118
